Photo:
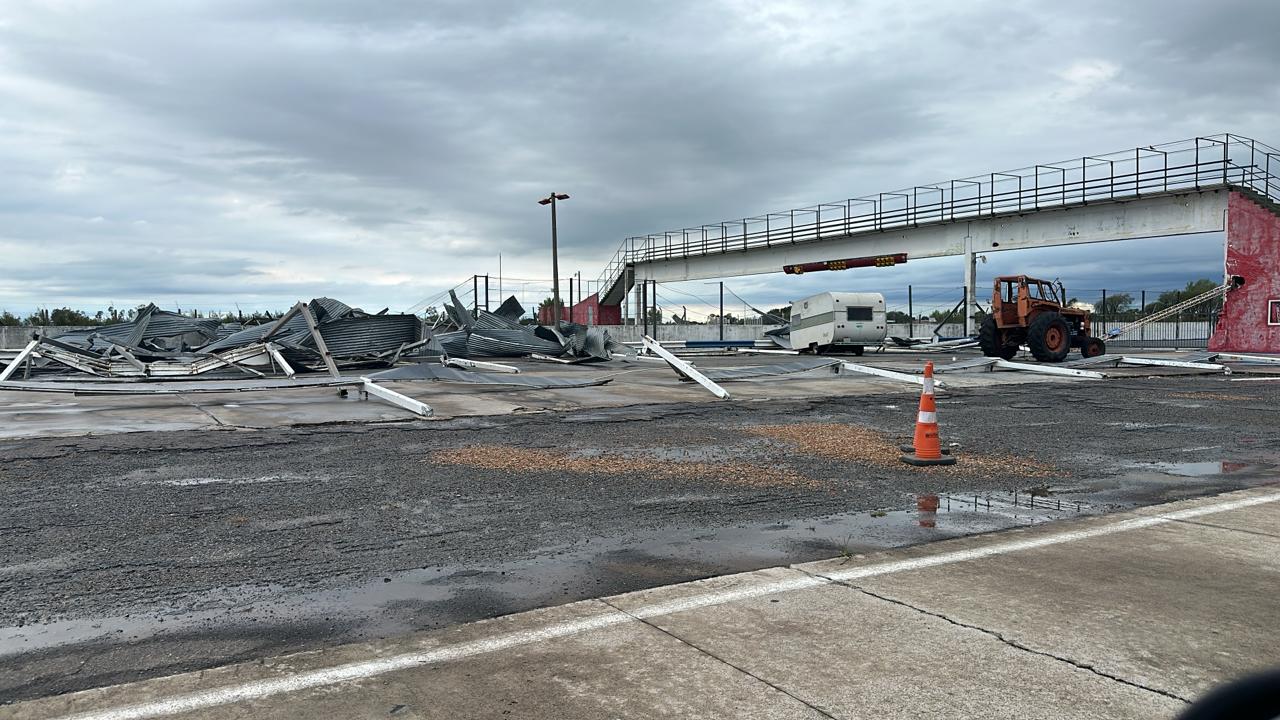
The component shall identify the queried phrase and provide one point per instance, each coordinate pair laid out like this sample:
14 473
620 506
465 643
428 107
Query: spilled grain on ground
523 460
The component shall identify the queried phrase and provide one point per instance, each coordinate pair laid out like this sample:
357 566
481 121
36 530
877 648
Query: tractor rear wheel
1093 347
992 343
1049 337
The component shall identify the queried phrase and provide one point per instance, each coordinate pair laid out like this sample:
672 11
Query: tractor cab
1021 296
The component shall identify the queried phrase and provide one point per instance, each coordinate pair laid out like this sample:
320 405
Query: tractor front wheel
991 342
1093 347
1049 337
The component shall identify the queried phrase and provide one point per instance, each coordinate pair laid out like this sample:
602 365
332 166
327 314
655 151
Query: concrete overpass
1178 188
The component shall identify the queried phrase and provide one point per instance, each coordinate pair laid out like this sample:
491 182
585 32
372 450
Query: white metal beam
889 374
274 351
1049 369
478 365
1156 362
1237 357
12 367
395 398
684 368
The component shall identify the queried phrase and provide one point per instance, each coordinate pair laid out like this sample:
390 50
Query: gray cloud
256 152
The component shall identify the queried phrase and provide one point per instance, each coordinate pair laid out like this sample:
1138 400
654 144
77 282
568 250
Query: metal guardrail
1201 163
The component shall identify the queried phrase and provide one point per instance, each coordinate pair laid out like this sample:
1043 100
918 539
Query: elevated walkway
1162 190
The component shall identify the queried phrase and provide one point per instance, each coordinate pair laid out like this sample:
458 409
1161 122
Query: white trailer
838 321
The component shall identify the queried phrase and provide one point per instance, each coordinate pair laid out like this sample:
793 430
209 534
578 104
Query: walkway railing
1204 162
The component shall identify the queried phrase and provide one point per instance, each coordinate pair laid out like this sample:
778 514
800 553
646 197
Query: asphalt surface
135 555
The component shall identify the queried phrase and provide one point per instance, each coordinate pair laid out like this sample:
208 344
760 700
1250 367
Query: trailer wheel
858 350
1093 347
1049 337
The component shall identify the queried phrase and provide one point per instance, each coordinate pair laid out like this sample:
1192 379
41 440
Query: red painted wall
1253 252
588 311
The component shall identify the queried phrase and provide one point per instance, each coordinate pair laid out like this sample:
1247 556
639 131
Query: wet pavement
131 556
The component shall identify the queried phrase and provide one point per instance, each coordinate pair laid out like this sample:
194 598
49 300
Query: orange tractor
1034 312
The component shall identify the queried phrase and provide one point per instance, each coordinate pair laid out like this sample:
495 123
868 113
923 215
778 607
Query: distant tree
897 316
67 317
783 312
729 319
1115 307
1173 297
8 319
655 316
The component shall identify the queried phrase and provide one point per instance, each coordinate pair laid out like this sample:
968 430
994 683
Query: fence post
1142 311
1102 319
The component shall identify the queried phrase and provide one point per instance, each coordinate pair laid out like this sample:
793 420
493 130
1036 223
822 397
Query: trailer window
859 313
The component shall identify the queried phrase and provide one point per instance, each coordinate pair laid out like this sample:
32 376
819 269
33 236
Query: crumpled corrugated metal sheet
366 336
153 327
452 343
510 309
509 343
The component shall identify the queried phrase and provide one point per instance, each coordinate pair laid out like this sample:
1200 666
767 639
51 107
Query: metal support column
644 306
911 312
722 311
970 286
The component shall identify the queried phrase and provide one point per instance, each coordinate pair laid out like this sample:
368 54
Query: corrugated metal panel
509 343
367 336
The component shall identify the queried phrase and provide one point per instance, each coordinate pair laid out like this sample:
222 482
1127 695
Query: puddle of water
1193 469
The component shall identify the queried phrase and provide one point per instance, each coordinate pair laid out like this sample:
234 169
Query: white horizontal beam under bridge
1183 213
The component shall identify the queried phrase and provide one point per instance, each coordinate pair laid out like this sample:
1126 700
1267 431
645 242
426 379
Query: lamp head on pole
552 198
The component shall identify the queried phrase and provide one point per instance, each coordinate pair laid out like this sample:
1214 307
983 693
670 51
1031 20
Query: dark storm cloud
394 148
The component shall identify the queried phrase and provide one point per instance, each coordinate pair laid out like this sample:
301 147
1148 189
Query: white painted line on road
258 689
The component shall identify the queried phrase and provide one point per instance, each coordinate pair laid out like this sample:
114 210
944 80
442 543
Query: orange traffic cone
927 448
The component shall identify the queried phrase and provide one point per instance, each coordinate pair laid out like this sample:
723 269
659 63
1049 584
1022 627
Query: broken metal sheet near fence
431 371
507 343
165 330
752 372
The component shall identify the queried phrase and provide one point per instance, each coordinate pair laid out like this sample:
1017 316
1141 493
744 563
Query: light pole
555 258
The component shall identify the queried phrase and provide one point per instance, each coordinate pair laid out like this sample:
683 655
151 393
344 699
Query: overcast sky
229 152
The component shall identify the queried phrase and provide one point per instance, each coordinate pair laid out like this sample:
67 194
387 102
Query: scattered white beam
549 358
1246 358
395 398
647 358
684 368
1048 369
1272 378
1156 362
889 374
478 365
21 358
984 362
762 351
285 367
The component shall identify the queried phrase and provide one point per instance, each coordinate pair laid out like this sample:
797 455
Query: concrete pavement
1118 616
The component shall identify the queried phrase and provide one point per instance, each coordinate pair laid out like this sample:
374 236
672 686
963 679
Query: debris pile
322 334
500 334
